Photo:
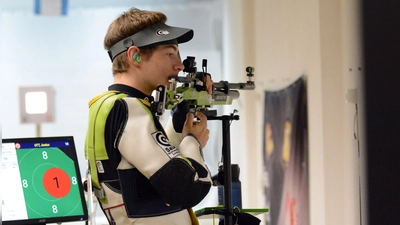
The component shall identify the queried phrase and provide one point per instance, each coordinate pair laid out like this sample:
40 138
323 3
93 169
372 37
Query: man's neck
128 79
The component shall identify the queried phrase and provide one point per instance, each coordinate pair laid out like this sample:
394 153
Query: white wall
318 39
284 40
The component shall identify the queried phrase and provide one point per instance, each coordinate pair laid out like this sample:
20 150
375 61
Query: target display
41 181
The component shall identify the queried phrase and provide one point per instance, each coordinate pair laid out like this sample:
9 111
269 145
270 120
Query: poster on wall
285 152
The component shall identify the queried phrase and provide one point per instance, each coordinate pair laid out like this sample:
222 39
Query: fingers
198 129
189 120
204 138
209 89
204 132
202 117
209 82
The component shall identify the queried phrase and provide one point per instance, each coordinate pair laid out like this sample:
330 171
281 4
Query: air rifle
194 92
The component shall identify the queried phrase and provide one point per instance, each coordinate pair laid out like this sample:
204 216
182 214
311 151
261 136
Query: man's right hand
197 127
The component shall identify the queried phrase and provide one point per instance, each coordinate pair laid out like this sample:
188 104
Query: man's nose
179 66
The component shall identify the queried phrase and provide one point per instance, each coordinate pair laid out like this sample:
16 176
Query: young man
140 175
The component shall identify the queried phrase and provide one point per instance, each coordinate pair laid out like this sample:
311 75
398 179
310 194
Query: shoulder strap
95 147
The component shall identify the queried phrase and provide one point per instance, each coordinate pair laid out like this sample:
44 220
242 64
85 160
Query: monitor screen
41 181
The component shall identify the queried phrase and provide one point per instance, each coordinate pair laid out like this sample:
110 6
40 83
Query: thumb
189 119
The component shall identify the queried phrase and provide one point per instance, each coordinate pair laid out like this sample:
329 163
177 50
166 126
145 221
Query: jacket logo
165 145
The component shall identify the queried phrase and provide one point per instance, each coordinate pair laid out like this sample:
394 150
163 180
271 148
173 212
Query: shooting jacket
139 175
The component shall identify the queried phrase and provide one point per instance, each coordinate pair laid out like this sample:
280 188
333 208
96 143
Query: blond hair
127 24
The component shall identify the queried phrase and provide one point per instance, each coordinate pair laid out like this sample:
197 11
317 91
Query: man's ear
133 55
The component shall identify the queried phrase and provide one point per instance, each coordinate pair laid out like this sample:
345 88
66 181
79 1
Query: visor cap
157 34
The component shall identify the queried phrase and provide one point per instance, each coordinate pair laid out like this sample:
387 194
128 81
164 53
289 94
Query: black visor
156 34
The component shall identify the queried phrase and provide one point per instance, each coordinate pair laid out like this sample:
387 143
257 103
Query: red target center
56 182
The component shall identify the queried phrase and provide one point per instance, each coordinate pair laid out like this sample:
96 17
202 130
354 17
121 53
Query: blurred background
283 40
